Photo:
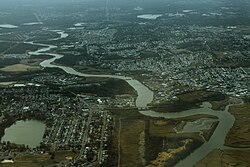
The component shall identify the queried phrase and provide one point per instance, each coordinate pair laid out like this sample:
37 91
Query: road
100 154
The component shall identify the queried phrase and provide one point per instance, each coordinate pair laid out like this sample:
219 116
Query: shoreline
145 97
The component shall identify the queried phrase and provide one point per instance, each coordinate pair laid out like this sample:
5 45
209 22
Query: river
145 96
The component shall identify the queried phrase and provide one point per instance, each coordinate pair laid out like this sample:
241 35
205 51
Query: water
217 140
29 132
145 96
79 24
32 23
149 16
8 26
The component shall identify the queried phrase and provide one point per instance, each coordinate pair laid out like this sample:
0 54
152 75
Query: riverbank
19 133
134 132
145 97
239 136
188 100
10 121
6 124
227 158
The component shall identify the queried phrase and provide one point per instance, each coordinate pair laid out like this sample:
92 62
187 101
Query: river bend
145 96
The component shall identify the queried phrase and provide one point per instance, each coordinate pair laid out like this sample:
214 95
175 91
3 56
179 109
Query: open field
32 61
130 142
143 141
19 68
239 135
225 158
39 160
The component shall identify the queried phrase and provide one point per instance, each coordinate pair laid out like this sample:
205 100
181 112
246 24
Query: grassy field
140 140
129 142
19 68
239 135
32 61
225 158
39 160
